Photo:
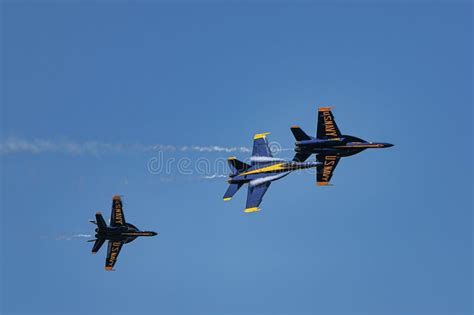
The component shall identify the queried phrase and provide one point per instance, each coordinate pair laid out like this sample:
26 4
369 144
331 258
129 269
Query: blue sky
88 87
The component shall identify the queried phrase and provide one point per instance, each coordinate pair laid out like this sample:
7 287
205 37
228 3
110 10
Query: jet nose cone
154 233
387 145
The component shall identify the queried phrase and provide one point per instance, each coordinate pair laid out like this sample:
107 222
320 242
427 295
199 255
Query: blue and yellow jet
329 145
264 169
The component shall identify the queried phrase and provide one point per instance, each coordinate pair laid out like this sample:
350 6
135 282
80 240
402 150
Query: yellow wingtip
232 158
227 199
322 183
253 209
260 135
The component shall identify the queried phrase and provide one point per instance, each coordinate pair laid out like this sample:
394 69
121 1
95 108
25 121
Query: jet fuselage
345 146
128 231
329 145
268 172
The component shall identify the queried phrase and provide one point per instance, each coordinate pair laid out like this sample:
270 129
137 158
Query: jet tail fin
233 188
99 219
299 134
237 166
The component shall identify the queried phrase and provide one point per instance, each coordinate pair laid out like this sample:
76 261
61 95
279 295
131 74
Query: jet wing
327 127
255 195
260 145
325 169
117 218
113 251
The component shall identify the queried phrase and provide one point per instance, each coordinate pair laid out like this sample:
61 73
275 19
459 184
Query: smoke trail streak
265 159
215 176
67 237
38 146
16 145
82 235
214 149
262 180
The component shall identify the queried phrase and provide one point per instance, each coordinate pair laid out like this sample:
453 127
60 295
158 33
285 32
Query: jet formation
263 168
118 233
329 145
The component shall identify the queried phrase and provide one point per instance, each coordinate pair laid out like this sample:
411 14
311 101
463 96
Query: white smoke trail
67 237
265 159
215 176
262 180
160 147
215 149
82 235
38 146
16 145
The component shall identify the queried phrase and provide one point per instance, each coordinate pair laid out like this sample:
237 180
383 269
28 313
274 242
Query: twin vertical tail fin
237 166
101 225
299 134
326 127
99 220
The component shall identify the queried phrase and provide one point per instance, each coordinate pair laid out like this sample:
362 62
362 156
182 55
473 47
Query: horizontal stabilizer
97 245
299 134
233 188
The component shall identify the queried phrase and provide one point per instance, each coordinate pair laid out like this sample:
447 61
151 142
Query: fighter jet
118 233
329 145
264 169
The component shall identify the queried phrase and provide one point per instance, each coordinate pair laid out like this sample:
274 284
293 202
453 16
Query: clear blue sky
392 236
